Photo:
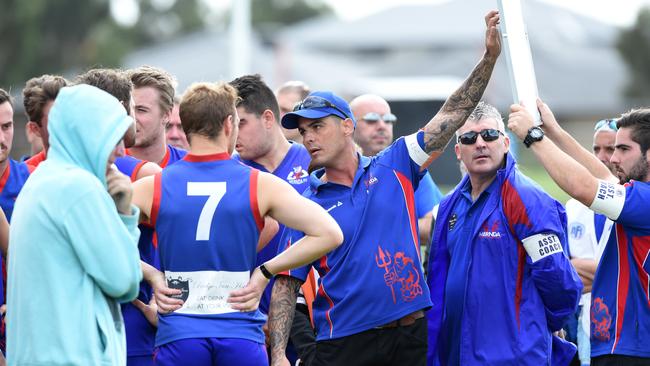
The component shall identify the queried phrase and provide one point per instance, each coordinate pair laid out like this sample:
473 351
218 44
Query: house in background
415 56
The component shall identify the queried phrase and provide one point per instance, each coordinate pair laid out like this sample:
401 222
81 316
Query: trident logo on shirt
400 270
385 263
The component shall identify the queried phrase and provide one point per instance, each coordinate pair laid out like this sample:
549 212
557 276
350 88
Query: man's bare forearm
572 147
458 107
281 311
568 174
569 145
586 269
149 273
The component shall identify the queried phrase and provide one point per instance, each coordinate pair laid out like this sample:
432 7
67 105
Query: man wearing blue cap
372 295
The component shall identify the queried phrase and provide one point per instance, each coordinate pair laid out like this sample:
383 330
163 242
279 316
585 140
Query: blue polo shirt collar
315 182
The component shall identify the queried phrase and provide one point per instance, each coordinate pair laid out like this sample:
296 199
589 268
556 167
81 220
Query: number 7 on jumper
215 192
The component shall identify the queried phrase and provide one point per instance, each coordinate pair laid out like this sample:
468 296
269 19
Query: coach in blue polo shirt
372 295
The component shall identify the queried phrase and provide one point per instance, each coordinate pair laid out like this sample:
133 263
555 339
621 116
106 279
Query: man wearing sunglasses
497 263
374 133
588 233
372 295
620 300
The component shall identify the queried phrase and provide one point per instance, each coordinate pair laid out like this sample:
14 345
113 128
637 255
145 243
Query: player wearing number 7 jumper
208 211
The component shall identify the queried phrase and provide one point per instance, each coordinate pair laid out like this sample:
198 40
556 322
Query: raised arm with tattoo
462 102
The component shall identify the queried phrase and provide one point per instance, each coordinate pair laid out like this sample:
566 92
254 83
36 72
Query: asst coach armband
609 200
542 245
417 154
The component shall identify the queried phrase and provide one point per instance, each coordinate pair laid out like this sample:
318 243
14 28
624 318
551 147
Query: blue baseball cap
318 104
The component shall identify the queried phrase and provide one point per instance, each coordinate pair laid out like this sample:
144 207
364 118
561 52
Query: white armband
417 154
542 245
609 200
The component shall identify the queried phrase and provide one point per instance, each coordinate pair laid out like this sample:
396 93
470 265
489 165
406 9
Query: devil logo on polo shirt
179 284
601 320
399 271
297 175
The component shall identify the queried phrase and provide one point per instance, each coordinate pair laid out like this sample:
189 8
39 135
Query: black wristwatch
265 272
534 134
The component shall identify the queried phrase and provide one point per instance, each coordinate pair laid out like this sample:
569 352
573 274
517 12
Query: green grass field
539 175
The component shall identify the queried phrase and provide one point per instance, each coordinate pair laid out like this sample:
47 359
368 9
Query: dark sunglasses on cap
373 118
317 102
606 124
489 134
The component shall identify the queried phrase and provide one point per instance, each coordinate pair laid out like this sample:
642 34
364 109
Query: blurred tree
634 46
286 12
41 36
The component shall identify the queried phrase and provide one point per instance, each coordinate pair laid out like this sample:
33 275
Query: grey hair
485 111
294 86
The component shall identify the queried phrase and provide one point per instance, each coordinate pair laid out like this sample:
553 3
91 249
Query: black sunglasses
489 134
373 118
606 124
317 102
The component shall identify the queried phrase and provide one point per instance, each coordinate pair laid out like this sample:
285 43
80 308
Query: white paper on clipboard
514 39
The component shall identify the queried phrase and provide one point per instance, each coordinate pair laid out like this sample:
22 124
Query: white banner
206 292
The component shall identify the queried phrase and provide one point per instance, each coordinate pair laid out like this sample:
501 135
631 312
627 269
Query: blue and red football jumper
129 166
620 298
207 222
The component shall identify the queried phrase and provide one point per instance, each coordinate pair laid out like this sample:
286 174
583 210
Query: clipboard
519 59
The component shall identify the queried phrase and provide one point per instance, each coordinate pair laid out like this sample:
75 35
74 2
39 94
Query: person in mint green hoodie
73 253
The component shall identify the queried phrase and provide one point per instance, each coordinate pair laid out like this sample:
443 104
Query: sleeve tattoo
457 107
283 304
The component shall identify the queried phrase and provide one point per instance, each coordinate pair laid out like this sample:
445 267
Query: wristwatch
266 272
534 134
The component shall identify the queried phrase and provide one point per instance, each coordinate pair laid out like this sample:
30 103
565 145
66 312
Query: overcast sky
619 12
